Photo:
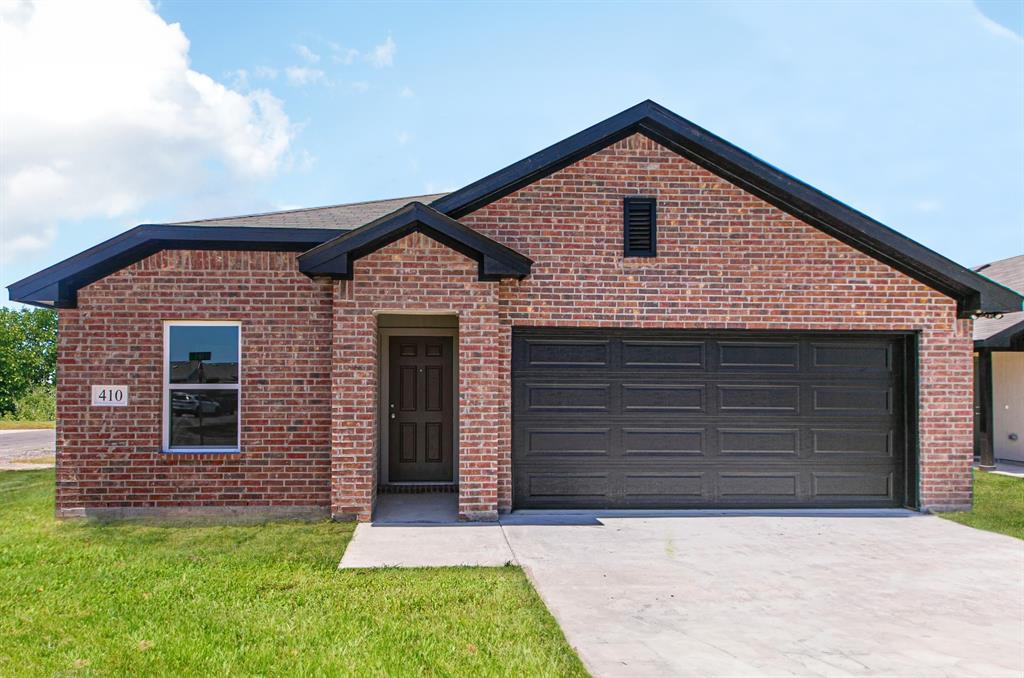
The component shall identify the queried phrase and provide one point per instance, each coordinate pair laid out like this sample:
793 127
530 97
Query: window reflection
203 354
203 418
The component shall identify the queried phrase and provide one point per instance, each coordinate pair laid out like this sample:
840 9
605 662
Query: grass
998 505
6 425
45 459
129 599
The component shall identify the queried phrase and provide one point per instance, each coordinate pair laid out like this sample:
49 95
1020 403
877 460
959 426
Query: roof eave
1008 339
972 292
336 258
57 286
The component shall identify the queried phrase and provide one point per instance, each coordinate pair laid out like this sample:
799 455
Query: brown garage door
654 419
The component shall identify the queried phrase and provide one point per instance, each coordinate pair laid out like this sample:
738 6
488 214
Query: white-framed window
202 386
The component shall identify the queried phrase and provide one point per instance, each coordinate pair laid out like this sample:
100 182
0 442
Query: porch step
418 488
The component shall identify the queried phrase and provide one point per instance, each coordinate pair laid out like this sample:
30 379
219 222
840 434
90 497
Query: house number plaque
114 396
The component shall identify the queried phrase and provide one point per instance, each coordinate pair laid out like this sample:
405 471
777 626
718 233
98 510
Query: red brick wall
726 259
417 274
110 458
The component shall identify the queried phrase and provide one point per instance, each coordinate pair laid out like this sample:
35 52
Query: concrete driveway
905 595
27 449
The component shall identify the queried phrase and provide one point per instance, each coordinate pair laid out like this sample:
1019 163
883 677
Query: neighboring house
640 316
999 385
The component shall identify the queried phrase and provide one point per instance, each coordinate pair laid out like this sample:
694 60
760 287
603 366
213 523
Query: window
639 226
201 386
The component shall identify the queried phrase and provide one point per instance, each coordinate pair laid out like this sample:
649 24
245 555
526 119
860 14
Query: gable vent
640 222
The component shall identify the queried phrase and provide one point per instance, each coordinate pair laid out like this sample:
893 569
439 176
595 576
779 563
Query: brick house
640 316
999 374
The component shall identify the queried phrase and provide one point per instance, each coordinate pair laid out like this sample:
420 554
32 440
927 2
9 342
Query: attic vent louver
640 226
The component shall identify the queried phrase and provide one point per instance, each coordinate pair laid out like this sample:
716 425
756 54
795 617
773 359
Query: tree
28 353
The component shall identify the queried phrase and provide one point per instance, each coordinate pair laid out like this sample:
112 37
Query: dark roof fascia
973 293
1008 339
58 285
336 257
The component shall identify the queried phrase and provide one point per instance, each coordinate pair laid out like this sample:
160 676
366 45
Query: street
27 449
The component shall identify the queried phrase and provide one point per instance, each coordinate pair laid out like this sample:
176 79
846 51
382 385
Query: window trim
628 251
165 446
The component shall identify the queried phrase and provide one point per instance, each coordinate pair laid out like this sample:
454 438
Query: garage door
633 419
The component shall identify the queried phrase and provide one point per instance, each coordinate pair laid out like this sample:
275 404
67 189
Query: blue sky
910 112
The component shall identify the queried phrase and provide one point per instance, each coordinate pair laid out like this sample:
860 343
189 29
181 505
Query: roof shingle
1008 273
346 216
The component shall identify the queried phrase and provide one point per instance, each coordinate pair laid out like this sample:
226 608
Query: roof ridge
305 209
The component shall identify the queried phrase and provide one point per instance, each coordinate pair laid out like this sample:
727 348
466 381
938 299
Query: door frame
384 395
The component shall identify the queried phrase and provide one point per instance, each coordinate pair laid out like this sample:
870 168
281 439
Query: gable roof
336 257
298 230
344 216
58 285
973 293
1006 331
285 231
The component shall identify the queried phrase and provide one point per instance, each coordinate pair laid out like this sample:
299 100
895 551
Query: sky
121 112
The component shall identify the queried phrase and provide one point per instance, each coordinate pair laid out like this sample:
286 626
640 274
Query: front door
420 410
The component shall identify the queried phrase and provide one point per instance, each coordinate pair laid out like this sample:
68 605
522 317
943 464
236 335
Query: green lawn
998 505
85 599
6 425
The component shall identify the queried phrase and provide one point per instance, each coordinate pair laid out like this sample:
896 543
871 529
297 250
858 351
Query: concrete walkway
1005 467
427 546
752 595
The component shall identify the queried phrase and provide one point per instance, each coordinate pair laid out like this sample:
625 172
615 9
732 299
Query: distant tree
28 353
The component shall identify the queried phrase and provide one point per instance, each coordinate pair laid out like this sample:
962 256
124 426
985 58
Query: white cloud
407 93
343 55
239 79
360 86
307 54
303 161
265 72
995 28
300 75
383 54
403 138
101 115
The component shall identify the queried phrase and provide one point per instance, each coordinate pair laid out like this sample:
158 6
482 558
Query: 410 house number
116 396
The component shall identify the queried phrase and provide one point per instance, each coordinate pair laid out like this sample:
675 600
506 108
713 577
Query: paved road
20 450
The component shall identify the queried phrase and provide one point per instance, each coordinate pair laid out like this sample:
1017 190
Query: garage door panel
700 486
663 397
876 442
567 442
862 357
853 486
752 399
566 486
853 400
759 484
757 442
659 488
563 353
620 419
665 354
663 442
758 356
565 398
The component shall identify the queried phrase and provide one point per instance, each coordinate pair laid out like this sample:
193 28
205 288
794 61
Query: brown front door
420 408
